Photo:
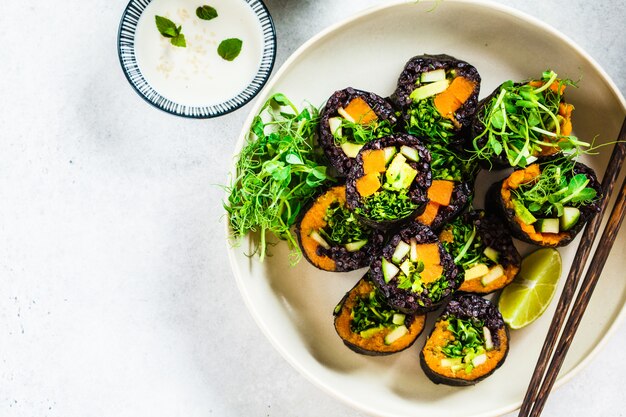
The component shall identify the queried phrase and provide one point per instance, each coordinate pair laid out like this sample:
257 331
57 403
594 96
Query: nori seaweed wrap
350 119
367 325
452 188
547 203
483 249
437 95
332 238
468 343
415 273
521 122
389 181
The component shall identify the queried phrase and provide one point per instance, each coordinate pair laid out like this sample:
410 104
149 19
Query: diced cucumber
334 124
488 338
351 149
492 254
547 225
355 246
410 153
477 271
319 239
401 251
450 362
389 270
393 170
405 179
366 334
406 267
413 252
398 318
428 90
345 115
569 218
396 334
432 76
493 274
389 152
479 359
523 213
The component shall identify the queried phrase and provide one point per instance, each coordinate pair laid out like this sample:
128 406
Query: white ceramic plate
293 305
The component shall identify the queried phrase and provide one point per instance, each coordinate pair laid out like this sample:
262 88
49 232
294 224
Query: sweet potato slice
429 254
440 192
431 273
429 214
373 161
368 184
360 111
450 100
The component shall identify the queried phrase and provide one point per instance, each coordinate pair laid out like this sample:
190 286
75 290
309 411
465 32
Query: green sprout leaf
206 12
229 49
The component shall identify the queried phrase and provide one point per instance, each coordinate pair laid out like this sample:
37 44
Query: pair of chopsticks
544 376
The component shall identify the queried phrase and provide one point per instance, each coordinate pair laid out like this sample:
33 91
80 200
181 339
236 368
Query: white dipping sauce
197 75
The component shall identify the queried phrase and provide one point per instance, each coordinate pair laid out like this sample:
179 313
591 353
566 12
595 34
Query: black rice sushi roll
389 181
368 326
452 188
520 122
350 119
468 343
414 272
332 238
547 203
483 249
437 95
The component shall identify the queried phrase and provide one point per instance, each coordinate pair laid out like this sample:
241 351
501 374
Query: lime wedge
530 293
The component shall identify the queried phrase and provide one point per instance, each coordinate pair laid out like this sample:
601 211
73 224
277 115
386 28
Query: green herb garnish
168 29
278 172
521 121
426 121
387 205
556 187
468 342
371 312
229 49
362 133
447 164
206 12
466 246
342 226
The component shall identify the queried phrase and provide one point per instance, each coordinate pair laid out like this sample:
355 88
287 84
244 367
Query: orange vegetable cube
368 184
429 254
453 97
431 273
440 192
360 111
428 216
374 161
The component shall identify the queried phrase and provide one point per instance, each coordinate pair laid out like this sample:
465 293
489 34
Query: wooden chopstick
582 299
580 260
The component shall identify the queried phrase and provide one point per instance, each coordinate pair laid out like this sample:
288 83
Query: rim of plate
128 61
562 379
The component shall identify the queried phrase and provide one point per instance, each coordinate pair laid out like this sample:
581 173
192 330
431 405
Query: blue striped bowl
128 60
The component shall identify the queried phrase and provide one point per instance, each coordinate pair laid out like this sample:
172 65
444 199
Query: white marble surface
116 298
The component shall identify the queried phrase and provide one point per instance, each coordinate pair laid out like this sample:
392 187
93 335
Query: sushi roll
389 181
467 344
483 249
437 95
350 119
547 203
520 122
414 272
367 325
332 238
452 188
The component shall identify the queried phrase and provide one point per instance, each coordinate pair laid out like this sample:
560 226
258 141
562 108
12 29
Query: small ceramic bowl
195 81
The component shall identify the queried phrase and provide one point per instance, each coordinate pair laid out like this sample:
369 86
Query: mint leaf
179 40
166 27
206 12
230 48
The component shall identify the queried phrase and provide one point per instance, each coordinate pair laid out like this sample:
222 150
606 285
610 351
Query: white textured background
116 297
